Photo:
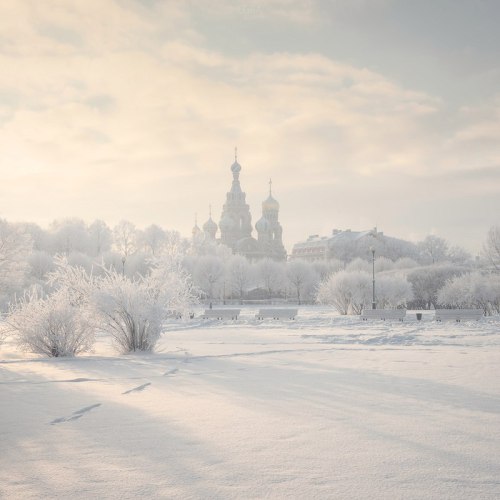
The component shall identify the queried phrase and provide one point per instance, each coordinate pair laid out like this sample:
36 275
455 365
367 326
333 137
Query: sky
363 112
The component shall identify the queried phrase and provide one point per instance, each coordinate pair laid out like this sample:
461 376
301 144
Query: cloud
124 104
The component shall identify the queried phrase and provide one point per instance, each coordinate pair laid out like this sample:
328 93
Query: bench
276 313
383 314
459 314
221 313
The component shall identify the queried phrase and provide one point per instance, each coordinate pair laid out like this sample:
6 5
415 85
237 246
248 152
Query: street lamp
374 305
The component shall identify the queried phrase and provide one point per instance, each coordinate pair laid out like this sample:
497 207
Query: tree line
61 285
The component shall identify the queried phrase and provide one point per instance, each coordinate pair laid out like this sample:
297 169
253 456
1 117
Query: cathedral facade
235 225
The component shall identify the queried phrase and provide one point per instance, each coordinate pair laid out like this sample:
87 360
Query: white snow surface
320 407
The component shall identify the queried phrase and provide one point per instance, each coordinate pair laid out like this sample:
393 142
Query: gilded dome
196 230
210 226
270 204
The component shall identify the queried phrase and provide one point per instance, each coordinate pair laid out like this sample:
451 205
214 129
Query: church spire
270 186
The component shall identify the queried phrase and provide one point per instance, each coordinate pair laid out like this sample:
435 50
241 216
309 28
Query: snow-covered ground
321 407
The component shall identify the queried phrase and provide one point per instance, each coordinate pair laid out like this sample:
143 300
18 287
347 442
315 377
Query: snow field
321 407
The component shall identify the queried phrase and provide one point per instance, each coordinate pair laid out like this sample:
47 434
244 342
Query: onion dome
210 226
196 230
235 167
270 204
262 225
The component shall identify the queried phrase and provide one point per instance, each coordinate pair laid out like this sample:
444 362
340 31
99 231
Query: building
236 228
347 245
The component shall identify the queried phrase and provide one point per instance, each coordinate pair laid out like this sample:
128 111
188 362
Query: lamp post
374 305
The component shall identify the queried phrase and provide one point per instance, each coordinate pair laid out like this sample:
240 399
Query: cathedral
236 225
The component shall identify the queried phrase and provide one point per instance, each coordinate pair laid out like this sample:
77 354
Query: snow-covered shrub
359 265
53 325
347 291
472 290
383 264
132 311
405 263
325 268
427 281
392 291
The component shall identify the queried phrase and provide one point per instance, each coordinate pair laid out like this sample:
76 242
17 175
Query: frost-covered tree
208 275
175 244
433 249
325 268
15 247
79 259
472 290
301 278
459 255
40 264
359 264
125 240
153 239
405 263
240 275
100 238
491 247
383 264
427 281
51 325
39 237
69 235
271 276
347 291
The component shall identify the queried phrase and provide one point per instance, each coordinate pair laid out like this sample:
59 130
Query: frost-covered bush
53 325
427 281
132 311
392 291
405 263
472 290
347 291
383 264
359 265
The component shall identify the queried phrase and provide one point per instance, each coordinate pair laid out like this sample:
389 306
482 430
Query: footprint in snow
171 372
137 389
75 415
